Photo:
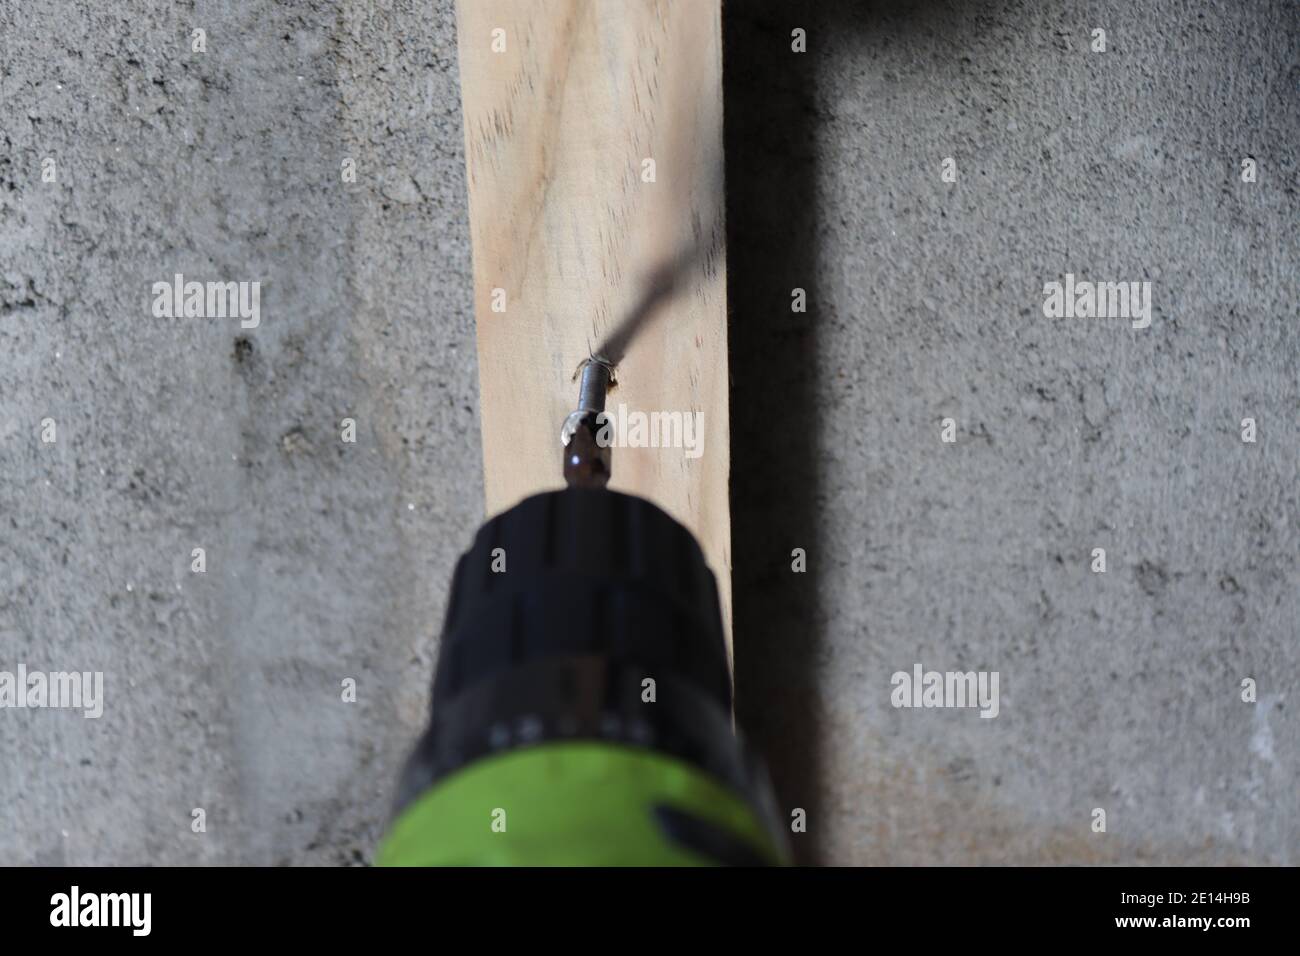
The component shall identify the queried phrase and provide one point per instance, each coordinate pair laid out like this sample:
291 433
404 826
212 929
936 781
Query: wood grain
556 131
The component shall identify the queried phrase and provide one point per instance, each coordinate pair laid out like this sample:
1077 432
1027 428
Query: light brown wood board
558 126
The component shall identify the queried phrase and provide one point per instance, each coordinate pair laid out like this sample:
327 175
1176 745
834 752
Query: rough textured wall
1120 690
325 560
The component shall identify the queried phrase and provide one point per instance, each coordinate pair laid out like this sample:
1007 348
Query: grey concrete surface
327 560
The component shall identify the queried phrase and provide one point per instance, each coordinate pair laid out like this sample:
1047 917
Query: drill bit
586 455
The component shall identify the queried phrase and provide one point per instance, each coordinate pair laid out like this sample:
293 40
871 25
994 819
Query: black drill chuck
562 609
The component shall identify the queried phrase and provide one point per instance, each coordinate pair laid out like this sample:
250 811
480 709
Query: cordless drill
581 710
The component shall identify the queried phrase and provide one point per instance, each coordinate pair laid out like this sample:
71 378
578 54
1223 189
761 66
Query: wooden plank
558 127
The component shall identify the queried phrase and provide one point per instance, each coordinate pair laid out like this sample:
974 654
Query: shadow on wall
772 249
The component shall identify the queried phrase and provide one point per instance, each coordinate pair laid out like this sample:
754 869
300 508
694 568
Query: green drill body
582 700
